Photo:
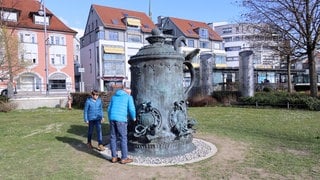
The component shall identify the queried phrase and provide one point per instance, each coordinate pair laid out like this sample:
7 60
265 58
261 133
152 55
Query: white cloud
219 23
80 32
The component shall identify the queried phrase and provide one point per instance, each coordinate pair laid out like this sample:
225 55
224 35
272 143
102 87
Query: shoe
89 145
115 159
125 161
101 147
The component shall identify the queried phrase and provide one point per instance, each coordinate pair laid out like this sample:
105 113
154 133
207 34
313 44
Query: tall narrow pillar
246 73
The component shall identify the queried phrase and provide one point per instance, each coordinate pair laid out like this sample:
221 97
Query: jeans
97 124
119 130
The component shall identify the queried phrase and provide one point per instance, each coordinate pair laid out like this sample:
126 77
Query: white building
238 37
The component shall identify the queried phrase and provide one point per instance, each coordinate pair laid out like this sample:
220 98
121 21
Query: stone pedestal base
162 149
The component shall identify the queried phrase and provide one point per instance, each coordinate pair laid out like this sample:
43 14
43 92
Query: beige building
111 37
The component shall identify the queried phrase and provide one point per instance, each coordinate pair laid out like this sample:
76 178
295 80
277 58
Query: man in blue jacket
120 108
93 116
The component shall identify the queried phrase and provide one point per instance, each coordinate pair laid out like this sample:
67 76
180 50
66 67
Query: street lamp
42 12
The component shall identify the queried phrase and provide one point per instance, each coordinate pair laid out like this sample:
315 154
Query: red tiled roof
25 20
189 28
113 17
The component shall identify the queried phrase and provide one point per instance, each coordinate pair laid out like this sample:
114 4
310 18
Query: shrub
79 99
7 106
201 101
226 96
282 99
4 99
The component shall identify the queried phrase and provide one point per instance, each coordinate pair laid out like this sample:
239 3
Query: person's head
127 90
95 94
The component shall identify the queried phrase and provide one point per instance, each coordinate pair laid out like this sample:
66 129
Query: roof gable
114 17
190 28
26 10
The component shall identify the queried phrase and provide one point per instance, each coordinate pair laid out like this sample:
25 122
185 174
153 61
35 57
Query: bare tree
10 52
296 20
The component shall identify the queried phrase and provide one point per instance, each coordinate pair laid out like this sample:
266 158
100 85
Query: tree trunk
10 88
313 74
289 74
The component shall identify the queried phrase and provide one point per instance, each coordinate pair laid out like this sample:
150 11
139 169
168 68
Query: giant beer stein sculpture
162 127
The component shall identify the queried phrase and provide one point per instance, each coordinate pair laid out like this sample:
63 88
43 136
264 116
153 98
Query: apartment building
46 44
239 37
198 35
111 37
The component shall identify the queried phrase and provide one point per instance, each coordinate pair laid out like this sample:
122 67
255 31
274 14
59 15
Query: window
51 40
100 34
233 58
58 59
190 43
25 37
29 57
57 84
41 20
204 44
203 33
114 64
113 35
62 40
227 30
220 59
234 48
237 29
8 16
227 39
134 38
236 38
57 40
217 46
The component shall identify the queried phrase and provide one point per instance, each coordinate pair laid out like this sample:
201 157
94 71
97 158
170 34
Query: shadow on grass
79 145
81 130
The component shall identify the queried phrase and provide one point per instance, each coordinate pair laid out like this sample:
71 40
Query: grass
283 142
50 143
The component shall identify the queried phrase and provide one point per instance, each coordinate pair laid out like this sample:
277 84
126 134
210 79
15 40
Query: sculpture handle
192 74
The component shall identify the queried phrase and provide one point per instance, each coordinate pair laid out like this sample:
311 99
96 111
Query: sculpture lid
157 49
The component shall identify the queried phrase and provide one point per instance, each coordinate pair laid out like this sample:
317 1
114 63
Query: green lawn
50 143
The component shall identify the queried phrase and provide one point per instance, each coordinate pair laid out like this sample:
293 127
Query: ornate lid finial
157 36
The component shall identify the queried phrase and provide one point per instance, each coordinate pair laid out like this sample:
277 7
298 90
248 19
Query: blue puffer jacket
121 107
93 110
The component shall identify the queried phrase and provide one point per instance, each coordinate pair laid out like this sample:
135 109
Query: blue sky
74 13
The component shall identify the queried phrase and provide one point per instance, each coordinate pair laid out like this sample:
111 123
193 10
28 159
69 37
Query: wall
36 102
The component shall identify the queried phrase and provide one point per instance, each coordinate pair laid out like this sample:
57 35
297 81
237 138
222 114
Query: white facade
238 37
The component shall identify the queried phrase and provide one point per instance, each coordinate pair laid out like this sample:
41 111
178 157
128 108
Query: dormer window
40 19
203 33
9 16
130 21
